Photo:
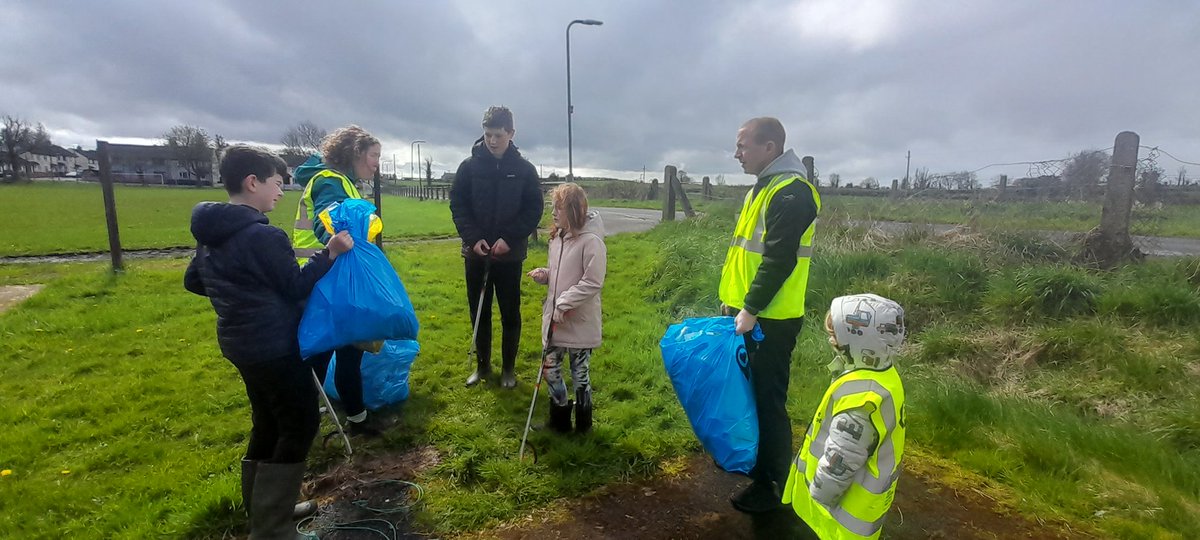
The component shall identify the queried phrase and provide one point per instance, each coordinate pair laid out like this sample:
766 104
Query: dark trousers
770 370
347 376
283 404
504 280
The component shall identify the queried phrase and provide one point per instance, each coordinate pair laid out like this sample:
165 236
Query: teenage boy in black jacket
248 271
496 202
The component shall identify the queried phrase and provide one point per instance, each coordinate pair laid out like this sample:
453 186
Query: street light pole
571 108
410 165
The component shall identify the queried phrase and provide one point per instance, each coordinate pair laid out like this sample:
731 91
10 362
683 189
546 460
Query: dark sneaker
758 498
367 428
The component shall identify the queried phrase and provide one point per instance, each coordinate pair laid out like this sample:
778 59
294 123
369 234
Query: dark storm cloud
856 83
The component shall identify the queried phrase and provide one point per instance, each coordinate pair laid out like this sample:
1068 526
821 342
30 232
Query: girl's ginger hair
571 199
340 148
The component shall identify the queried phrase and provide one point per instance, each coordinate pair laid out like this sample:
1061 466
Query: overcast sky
856 83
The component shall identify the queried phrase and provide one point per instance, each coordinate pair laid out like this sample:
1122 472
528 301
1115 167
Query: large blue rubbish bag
384 374
709 369
361 299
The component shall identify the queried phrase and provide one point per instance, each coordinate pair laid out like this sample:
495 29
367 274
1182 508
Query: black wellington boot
583 410
302 509
560 417
483 372
276 486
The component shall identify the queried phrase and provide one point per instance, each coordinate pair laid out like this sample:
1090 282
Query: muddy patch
372 497
11 295
694 505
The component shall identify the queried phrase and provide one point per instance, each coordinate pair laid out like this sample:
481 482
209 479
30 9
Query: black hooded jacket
247 270
496 198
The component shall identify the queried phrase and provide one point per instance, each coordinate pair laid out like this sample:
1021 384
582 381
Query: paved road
620 220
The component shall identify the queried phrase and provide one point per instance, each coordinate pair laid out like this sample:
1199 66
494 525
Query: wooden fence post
669 193
683 198
809 169
110 206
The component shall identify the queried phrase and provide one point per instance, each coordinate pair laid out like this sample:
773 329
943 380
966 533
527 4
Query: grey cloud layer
857 84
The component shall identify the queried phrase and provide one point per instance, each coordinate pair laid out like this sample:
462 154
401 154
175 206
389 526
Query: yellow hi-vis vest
745 254
860 512
304 240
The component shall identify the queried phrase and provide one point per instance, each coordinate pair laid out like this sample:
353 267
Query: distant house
49 159
293 161
85 160
448 177
148 164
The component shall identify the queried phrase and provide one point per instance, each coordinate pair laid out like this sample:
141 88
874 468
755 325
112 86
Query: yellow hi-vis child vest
745 254
304 240
860 512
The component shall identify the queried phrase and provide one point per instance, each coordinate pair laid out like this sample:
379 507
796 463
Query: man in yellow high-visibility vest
763 282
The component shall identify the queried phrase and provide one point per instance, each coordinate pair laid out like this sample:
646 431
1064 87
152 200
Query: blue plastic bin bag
384 374
361 298
708 367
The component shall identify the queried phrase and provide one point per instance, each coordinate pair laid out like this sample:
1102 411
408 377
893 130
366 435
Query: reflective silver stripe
886 458
304 253
853 524
754 246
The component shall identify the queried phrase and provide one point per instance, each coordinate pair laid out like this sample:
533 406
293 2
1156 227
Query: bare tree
1181 176
921 178
1083 172
17 137
302 139
870 183
429 171
964 180
720 179
835 179
191 148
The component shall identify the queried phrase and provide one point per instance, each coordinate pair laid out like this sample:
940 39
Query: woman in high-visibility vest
843 480
348 155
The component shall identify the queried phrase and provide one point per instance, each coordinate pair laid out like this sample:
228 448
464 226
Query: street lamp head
589 22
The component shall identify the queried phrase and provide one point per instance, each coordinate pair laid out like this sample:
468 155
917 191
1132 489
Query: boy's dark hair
281 167
498 117
241 160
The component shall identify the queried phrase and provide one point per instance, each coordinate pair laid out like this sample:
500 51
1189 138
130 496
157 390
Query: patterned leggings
552 370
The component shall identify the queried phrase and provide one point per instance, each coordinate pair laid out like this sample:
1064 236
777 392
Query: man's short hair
767 129
498 117
240 161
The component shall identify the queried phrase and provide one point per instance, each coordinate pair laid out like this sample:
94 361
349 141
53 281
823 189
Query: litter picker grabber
536 387
473 355
332 413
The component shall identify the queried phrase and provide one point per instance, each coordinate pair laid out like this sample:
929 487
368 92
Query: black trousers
504 280
347 376
283 404
770 370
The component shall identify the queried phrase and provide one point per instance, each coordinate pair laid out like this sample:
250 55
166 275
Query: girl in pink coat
571 312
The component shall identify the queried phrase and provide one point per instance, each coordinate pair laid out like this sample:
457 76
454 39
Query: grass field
69 218
1072 390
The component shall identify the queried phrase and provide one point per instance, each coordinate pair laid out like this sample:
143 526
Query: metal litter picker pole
329 407
536 387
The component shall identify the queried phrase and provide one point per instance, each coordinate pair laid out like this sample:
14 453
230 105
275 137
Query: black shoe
583 410
367 428
560 417
758 498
